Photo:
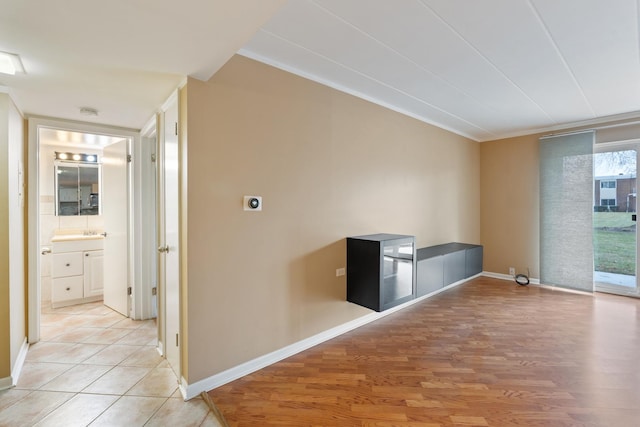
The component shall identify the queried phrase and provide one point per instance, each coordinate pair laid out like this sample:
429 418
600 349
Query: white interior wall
16 231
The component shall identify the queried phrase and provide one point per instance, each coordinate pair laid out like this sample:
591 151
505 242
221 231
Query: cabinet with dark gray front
441 265
380 270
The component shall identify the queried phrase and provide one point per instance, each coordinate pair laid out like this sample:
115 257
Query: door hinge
129 290
129 158
176 128
153 158
177 340
154 291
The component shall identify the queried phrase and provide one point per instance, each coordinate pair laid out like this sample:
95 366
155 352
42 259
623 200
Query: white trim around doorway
33 214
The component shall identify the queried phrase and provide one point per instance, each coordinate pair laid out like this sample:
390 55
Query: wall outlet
340 272
512 271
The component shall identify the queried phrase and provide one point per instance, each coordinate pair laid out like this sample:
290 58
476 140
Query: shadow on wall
314 288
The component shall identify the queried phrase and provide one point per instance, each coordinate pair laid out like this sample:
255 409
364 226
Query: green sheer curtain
566 210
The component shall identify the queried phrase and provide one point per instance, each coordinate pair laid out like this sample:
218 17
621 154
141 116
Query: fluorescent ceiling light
10 63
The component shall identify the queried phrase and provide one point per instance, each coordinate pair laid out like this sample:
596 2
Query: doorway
46 136
614 218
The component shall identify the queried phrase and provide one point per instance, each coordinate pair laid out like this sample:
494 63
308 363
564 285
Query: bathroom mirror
77 188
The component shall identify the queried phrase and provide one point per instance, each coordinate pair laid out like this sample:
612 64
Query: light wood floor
487 353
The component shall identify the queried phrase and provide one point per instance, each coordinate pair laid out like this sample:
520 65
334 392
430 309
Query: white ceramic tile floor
96 367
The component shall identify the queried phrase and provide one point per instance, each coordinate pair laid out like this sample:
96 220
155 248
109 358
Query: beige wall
328 165
509 208
510 193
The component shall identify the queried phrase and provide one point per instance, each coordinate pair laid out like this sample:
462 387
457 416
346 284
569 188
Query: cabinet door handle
68 289
68 265
87 254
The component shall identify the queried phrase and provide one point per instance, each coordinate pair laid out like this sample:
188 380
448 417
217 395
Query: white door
115 208
169 236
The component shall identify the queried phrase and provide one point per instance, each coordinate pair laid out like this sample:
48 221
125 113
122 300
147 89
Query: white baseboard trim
17 368
535 282
190 391
183 387
501 276
11 381
224 377
6 383
159 348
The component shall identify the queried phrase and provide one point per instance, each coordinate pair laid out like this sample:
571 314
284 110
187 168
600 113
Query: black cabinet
380 270
441 265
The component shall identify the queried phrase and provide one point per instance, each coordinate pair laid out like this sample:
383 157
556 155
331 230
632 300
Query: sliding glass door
614 218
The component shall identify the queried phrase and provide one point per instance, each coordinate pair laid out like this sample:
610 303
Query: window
607 184
608 202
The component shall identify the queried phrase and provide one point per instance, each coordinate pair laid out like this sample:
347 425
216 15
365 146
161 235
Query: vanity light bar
77 157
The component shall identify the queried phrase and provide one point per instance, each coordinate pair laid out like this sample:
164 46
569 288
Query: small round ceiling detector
88 111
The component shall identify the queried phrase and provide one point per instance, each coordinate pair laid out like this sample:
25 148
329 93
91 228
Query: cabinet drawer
67 288
66 264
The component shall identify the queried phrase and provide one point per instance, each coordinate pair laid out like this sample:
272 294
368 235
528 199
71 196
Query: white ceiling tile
434 46
275 51
484 69
599 41
510 36
356 51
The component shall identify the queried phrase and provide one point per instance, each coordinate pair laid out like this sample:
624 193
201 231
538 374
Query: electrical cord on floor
522 279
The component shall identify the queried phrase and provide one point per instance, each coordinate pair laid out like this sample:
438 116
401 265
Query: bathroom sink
76 242
69 237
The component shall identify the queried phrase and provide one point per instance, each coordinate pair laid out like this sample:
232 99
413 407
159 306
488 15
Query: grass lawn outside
614 240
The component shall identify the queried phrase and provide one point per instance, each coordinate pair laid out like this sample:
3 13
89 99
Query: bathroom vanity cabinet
76 270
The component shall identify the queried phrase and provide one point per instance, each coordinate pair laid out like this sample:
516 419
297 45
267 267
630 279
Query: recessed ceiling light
10 63
88 111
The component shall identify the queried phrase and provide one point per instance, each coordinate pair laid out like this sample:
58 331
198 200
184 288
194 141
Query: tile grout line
58 359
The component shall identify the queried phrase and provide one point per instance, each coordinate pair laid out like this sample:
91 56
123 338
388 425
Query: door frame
163 339
33 208
146 240
604 147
